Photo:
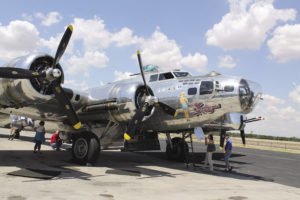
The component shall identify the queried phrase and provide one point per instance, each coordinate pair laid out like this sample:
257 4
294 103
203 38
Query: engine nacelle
129 95
22 92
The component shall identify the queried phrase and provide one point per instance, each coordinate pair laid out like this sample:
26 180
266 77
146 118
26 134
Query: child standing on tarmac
39 137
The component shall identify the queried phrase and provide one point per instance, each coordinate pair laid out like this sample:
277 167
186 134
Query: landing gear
177 149
85 148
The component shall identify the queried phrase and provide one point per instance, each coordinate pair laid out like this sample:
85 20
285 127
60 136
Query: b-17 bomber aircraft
134 110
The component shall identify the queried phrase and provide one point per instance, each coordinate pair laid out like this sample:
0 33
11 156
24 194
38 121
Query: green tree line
268 137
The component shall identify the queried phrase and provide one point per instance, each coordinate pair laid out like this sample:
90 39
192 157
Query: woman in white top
209 141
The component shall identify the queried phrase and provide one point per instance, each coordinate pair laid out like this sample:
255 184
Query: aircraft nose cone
249 94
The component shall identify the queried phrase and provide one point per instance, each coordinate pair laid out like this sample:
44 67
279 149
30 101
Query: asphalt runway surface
278 167
257 174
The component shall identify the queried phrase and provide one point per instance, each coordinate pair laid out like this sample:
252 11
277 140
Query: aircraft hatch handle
64 101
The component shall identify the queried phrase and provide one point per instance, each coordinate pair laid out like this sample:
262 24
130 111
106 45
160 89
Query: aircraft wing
22 99
4 120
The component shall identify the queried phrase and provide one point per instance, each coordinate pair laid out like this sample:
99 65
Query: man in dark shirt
227 153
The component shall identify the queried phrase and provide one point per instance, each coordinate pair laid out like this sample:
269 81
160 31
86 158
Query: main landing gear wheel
179 151
85 148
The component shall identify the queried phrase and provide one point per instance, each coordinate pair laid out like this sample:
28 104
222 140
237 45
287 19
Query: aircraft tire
85 148
179 150
94 150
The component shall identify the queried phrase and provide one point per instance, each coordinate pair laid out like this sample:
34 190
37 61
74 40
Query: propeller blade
137 118
141 112
169 110
243 136
242 129
222 137
59 93
62 98
138 53
19 73
62 45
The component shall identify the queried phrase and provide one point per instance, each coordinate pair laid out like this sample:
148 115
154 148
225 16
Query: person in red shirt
55 141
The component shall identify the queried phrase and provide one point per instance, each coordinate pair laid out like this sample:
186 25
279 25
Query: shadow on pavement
121 163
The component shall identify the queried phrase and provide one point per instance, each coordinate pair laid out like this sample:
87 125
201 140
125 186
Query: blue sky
258 40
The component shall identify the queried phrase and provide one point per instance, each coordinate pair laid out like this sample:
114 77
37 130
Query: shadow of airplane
135 164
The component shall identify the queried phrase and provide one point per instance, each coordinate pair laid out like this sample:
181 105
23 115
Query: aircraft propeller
147 105
51 74
242 132
19 73
222 137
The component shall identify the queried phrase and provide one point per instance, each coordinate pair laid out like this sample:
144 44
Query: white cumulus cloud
49 18
17 38
157 49
227 62
92 33
86 49
197 61
281 119
165 53
81 86
125 37
91 38
90 59
52 43
247 24
121 75
285 43
272 100
27 16
160 50
295 94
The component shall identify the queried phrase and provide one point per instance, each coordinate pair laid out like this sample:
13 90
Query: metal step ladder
189 157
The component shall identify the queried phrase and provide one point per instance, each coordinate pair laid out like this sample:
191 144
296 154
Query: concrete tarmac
127 175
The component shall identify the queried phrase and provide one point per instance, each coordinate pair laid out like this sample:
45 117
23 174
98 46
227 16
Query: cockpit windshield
182 74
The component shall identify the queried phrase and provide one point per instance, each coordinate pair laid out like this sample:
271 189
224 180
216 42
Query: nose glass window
206 87
245 94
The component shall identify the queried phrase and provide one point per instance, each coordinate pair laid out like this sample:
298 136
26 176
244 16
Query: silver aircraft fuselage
207 98
198 100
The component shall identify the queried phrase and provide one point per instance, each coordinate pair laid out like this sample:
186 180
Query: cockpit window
181 74
206 87
165 76
153 77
